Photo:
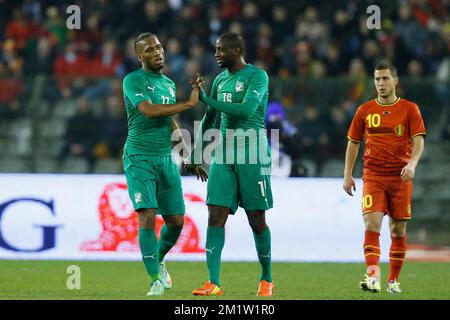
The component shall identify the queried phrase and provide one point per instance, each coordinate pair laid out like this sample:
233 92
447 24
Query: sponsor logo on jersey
151 88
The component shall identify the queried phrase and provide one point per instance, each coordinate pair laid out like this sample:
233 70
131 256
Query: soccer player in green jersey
240 95
154 183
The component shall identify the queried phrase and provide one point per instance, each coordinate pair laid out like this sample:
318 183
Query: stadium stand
319 56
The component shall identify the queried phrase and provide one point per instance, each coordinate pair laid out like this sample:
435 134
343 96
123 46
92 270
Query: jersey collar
387 104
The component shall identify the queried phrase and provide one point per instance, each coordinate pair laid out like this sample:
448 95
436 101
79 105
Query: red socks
372 252
397 255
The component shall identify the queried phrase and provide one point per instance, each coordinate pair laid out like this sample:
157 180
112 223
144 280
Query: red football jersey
388 130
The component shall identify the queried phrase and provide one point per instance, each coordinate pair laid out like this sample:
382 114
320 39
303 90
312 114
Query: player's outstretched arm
164 110
350 157
257 88
409 170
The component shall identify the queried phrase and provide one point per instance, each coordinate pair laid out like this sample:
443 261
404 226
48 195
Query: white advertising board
91 217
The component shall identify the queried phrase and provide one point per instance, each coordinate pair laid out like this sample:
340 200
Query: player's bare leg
373 222
149 248
397 253
261 234
215 239
173 224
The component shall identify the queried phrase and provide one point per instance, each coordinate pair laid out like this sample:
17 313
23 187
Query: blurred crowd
298 38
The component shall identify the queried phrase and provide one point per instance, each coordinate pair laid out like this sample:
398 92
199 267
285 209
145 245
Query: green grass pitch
21 279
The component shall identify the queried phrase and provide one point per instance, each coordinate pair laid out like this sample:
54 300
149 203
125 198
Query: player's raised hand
408 172
198 81
349 183
196 170
193 98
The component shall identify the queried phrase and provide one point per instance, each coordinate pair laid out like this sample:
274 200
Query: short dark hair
234 40
384 65
142 36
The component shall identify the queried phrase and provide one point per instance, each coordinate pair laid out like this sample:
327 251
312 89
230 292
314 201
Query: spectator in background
10 58
113 129
303 59
371 53
19 29
41 60
337 130
130 62
358 77
415 69
206 60
412 34
107 61
289 138
214 24
265 50
174 58
82 134
67 67
333 60
314 136
318 70
89 39
56 26
230 10
250 21
11 87
106 64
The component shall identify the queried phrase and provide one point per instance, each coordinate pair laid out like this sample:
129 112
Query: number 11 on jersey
262 185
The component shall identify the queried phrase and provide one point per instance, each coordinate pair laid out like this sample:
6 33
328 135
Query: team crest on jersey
137 197
172 92
239 86
399 130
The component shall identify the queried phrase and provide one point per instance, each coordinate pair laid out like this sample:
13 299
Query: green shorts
244 185
154 182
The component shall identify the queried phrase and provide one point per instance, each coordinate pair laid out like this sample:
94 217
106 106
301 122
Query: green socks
263 243
215 239
167 240
149 245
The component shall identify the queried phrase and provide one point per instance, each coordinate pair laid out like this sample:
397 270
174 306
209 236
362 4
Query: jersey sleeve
416 124
135 91
356 130
257 88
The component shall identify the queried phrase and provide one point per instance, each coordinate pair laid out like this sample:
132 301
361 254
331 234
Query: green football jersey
242 120
249 83
148 136
241 99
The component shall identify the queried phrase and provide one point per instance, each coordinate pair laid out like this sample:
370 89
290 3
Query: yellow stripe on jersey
387 104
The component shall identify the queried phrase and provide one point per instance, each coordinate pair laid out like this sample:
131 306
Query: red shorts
387 194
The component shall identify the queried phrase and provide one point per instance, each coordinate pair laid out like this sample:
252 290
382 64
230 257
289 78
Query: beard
386 94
